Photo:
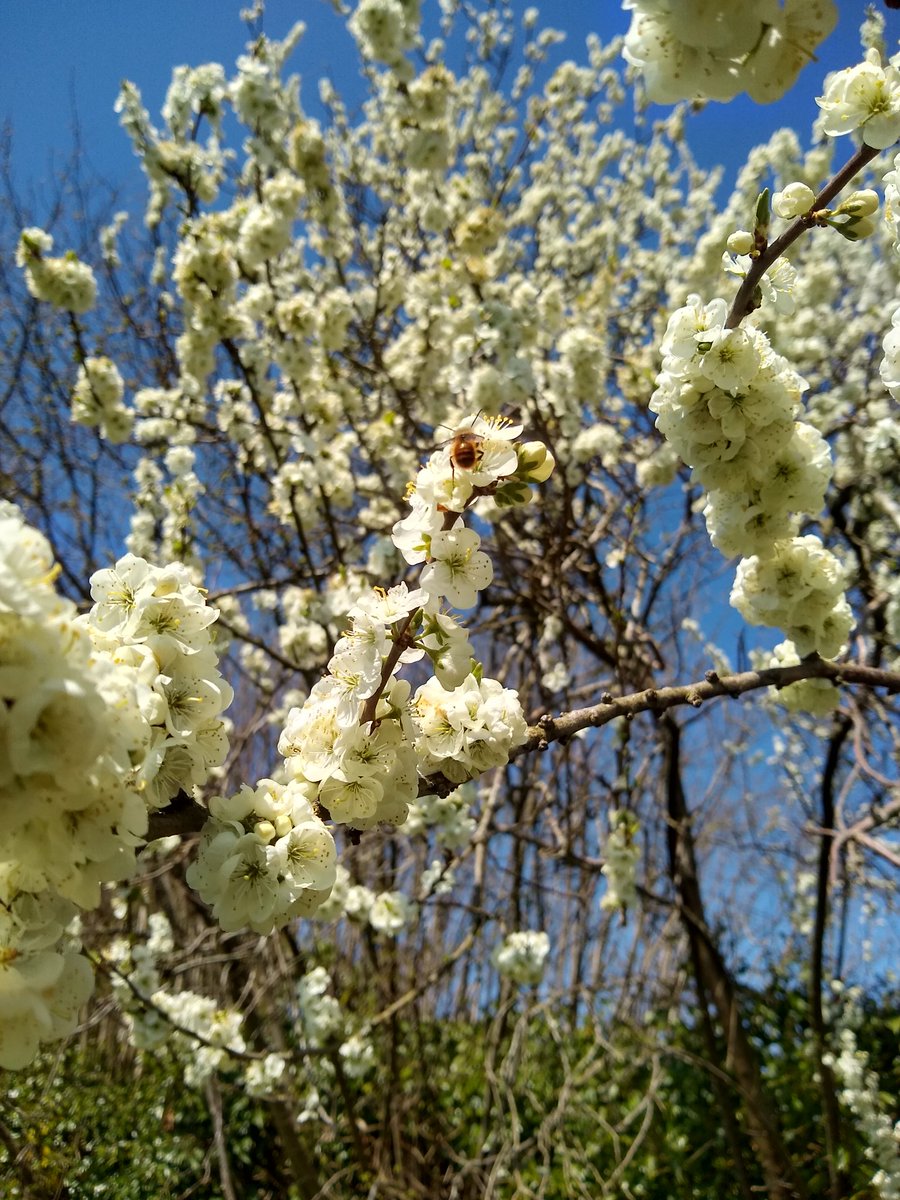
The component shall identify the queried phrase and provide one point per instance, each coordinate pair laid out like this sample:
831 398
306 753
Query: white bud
264 830
860 204
536 463
796 198
740 242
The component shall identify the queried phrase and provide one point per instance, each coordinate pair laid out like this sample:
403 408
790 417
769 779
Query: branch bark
839 1184
185 816
659 700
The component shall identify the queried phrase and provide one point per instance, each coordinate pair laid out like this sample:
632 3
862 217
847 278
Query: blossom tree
364 601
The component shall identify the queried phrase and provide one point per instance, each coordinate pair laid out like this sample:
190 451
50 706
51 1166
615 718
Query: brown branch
658 700
838 1183
879 848
185 816
859 829
714 978
214 1102
401 643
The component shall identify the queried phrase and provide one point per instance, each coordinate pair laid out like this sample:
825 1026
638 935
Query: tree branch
839 1185
743 301
658 700
184 815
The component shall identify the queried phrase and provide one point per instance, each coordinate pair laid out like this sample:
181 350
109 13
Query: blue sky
59 57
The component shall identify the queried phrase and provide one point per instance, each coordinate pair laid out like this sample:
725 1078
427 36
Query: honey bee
465 449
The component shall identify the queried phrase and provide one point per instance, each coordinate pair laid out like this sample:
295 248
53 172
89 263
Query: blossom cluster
621 853
265 857
44 979
325 1024
64 282
136 978
208 1036
861 1093
68 818
727 403
387 913
691 49
179 159
154 624
69 284
385 29
102 718
797 587
467 730
356 749
205 1037
71 731
361 773
522 955
449 817
97 399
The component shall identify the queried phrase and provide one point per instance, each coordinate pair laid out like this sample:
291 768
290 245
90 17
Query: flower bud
283 824
852 228
860 204
740 242
857 228
264 830
796 198
536 463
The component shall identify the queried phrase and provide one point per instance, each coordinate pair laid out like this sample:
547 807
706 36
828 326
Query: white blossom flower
390 606
64 282
864 97
262 1077
458 570
357 1056
621 853
391 912
307 856
522 955
731 361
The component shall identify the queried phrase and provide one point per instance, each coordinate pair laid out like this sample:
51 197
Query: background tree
543 982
